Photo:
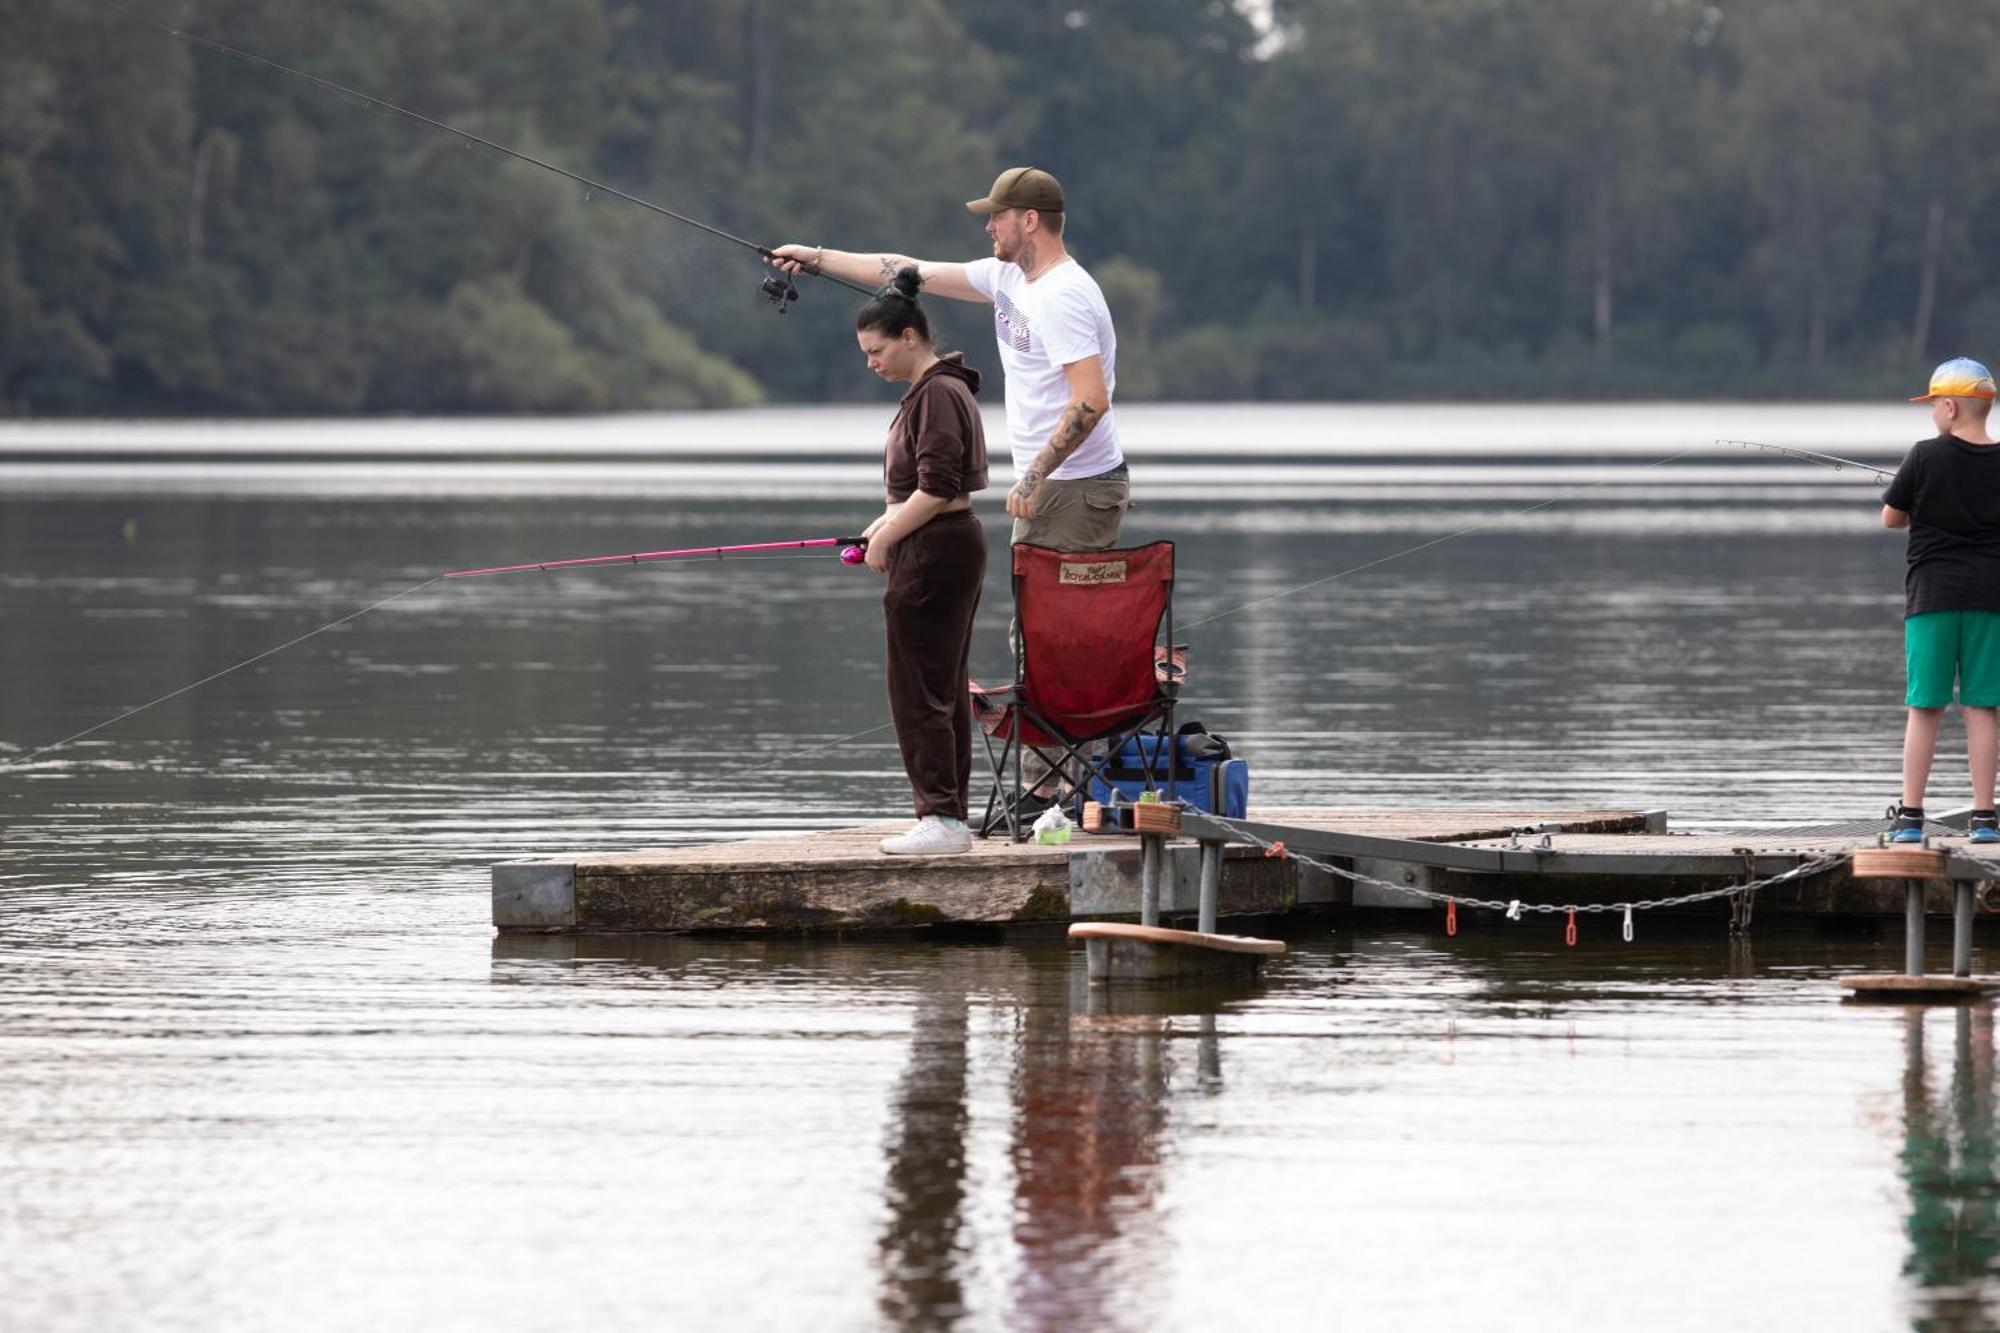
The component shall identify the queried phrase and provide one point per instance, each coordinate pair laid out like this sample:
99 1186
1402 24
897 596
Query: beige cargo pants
1077 514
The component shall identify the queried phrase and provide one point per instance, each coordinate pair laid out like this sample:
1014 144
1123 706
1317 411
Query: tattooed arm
940 279
1088 402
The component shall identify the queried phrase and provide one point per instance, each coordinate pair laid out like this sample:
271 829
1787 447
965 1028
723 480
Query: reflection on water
924 1242
1090 1109
1417 1131
263 1064
1952 1170
1087 1107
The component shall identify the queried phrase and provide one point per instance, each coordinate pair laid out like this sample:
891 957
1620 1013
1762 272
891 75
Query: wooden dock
838 880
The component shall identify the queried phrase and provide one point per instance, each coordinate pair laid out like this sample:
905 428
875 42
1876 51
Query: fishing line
812 750
1303 587
1425 546
734 555
778 292
175 694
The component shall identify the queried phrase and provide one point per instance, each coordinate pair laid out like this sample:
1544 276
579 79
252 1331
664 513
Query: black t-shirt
1951 491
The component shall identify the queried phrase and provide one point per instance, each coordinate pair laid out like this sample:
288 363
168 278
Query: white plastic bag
1052 827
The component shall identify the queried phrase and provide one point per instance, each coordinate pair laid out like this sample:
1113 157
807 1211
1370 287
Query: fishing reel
779 289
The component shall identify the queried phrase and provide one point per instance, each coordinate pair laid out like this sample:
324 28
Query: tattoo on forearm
890 265
1076 424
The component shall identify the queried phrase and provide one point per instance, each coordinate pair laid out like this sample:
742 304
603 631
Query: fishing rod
1833 461
853 551
779 289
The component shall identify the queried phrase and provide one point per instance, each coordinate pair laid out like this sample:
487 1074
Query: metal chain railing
1514 908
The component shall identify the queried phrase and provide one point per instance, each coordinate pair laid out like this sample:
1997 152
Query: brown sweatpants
933 593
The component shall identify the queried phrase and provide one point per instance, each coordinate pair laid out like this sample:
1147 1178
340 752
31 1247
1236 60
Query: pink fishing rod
853 551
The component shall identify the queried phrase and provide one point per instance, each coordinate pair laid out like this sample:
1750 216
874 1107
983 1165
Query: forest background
1306 199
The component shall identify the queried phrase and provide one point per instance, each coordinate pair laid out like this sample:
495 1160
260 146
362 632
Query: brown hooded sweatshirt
936 443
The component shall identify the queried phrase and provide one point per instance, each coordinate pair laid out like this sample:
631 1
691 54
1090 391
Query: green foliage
1280 354
1135 295
1375 197
515 355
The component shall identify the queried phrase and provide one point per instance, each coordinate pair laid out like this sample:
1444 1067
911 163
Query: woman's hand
876 526
880 544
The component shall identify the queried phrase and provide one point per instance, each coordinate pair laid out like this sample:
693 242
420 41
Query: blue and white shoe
1908 828
1985 829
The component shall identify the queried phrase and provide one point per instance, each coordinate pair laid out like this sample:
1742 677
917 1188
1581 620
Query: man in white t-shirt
1071 488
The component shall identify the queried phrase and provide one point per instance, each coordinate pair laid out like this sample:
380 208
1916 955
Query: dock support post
1152 848
1149 952
1913 927
1961 930
1211 885
1917 869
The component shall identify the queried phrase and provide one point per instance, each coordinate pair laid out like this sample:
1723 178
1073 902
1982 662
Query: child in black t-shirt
1947 493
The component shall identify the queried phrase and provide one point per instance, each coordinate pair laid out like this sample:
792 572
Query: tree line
1308 199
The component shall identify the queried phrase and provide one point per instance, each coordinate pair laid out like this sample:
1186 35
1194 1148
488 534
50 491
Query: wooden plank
1900 863
1897 985
1185 939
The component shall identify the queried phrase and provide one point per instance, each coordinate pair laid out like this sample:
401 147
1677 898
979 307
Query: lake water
264 1064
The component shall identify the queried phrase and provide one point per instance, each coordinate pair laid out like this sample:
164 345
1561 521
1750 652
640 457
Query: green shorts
1942 646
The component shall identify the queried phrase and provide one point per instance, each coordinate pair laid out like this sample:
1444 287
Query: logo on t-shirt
1010 326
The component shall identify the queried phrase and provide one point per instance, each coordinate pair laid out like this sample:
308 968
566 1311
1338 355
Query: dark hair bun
894 309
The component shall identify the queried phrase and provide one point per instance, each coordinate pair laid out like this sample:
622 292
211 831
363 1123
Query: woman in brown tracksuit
934 552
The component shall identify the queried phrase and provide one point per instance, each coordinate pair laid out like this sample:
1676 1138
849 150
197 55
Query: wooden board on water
1897 986
1153 955
1182 939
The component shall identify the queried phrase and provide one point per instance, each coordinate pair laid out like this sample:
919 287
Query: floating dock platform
838 880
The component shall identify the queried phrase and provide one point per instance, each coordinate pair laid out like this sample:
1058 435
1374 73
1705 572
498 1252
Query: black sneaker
1030 805
1909 825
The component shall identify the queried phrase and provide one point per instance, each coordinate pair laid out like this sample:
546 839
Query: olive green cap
1021 187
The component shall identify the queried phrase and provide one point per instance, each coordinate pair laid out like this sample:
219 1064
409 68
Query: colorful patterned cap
1960 377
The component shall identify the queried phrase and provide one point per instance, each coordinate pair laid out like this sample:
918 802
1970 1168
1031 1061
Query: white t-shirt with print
1057 320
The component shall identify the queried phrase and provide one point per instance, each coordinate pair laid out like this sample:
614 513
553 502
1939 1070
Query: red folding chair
1093 661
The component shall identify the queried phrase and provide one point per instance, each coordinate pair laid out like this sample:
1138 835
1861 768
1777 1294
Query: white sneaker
931 837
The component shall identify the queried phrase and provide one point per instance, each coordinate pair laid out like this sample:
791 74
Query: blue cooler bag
1202 775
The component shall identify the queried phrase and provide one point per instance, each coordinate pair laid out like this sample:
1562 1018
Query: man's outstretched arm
875 270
